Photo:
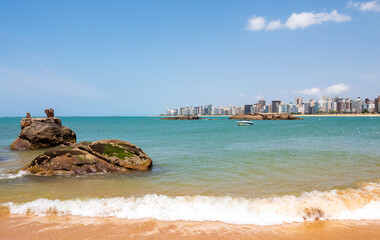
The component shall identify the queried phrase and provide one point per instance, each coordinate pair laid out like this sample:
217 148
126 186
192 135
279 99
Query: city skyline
325 104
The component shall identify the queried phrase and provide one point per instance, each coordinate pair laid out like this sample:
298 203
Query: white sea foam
352 204
10 176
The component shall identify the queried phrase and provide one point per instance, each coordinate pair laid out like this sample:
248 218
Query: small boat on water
244 123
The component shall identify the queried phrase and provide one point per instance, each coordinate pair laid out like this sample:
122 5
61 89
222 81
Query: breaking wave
11 176
353 204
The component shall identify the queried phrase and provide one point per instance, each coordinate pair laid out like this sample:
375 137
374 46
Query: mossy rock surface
121 153
104 156
115 151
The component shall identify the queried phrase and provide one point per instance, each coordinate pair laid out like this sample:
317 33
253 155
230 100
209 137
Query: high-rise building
371 106
275 105
307 108
196 111
357 105
377 104
292 108
348 103
256 108
317 107
262 102
299 101
248 108
340 106
209 109
283 108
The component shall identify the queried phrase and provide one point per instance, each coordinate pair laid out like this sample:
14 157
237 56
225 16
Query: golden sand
70 227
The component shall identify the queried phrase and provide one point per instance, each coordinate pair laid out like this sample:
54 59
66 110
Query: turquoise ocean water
212 165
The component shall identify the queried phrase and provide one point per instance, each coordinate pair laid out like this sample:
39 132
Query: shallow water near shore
272 173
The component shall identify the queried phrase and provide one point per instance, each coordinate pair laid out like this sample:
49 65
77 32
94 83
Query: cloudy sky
130 58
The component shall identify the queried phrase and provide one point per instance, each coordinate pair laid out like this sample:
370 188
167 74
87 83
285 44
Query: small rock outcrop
104 156
191 117
49 112
42 133
265 116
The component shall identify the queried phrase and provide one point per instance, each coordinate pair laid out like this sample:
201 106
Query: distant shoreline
201 116
297 115
338 115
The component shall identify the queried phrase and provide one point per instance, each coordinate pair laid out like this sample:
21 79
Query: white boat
244 123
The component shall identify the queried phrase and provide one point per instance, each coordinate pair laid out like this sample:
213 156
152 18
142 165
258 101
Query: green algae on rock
112 150
104 156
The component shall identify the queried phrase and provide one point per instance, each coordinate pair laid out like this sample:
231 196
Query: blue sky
129 58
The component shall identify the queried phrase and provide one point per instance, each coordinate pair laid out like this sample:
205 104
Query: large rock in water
104 156
42 133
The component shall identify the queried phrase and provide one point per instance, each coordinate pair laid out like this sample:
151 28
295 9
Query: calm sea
270 173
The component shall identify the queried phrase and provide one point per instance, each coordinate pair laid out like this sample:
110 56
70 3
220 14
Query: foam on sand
348 204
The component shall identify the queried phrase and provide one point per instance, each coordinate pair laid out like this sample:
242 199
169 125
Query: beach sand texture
69 227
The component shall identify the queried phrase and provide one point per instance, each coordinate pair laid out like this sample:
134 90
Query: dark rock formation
191 117
21 144
49 113
104 156
42 133
265 116
27 121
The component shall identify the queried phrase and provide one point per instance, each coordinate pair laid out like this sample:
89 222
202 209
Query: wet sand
71 227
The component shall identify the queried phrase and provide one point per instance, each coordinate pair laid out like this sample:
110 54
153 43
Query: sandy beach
70 227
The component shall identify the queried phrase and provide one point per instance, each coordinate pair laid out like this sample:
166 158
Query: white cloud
274 25
256 23
365 6
306 19
311 91
240 95
297 20
333 90
337 89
